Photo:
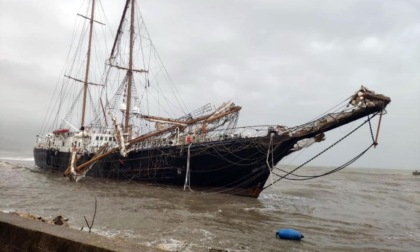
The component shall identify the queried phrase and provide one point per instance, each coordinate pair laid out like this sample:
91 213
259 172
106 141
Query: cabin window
97 137
102 138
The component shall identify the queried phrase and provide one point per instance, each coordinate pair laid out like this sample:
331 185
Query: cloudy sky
285 62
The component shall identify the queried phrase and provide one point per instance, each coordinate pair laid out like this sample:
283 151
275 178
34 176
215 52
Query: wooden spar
220 109
224 107
89 18
162 119
334 120
119 32
101 149
85 88
90 83
93 160
130 71
377 97
377 131
126 69
166 122
68 170
193 121
152 134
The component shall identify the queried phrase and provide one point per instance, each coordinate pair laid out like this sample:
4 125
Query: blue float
289 234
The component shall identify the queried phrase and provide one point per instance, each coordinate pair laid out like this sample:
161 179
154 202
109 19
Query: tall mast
119 32
130 68
86 83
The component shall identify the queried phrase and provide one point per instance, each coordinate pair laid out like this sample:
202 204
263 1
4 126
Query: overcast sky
284 62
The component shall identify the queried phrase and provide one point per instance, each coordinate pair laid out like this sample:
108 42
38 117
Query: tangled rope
322 152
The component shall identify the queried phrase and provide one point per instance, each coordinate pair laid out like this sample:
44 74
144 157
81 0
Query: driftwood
93 219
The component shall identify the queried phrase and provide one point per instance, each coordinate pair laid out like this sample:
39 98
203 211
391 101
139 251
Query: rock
60 221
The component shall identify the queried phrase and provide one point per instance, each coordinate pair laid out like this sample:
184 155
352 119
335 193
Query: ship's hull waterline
236 166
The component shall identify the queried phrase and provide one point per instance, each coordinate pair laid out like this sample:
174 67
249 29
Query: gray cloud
284 62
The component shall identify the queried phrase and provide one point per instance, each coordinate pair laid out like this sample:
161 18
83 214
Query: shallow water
352 210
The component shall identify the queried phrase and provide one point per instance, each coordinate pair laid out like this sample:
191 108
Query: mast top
86 82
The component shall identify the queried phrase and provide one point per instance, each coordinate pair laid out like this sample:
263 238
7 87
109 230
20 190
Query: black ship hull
235 166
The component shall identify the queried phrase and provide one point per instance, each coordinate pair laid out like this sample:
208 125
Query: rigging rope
187 173
270 167
327 173
322 152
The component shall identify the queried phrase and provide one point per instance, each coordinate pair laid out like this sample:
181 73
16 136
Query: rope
322 152
330 172
187 174
270 147
370 127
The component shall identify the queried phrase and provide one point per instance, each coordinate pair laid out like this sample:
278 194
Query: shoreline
27 234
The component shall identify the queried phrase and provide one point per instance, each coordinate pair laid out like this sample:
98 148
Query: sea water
352 210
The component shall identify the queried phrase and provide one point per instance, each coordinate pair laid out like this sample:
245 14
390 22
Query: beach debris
217 250
59 220
93 218
211 249
289 234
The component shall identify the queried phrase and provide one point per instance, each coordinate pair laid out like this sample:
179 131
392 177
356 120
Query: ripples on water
353 210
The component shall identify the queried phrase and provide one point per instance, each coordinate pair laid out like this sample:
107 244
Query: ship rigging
139 129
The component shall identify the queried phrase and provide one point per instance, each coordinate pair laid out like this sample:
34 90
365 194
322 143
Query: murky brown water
353 210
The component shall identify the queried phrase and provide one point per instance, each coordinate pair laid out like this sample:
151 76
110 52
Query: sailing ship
129 126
